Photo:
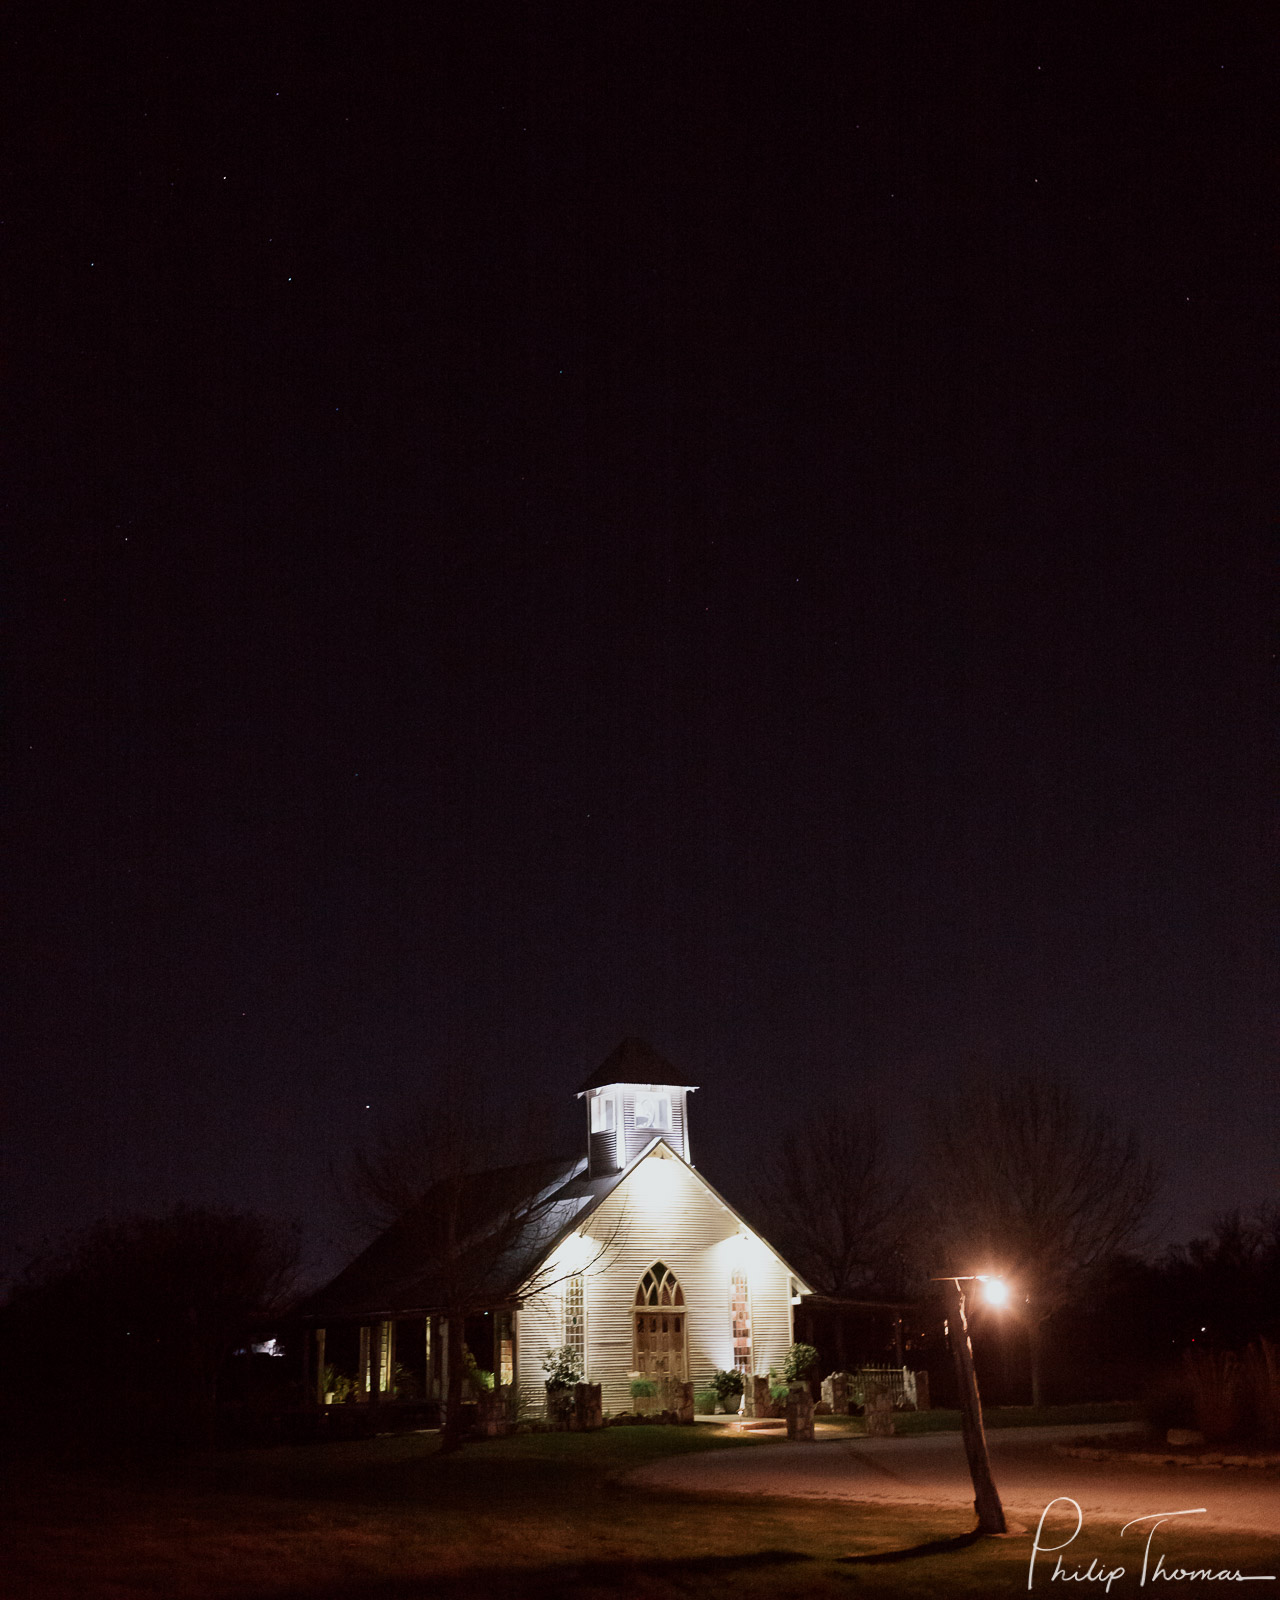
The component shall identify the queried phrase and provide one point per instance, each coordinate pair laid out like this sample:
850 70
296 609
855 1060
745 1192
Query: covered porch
401 1359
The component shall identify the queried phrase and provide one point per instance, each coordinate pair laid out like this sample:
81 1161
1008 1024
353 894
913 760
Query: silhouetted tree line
1017 1176
125 1330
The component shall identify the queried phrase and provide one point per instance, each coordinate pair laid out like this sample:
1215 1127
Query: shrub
1236 1397
1227 1396
481 1381
704 1401
643 1388
405 1384
728 1385
563 1367
800 1358
1262 1378
1212 1379
339 1386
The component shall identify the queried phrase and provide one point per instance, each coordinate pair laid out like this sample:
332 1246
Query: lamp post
986 1498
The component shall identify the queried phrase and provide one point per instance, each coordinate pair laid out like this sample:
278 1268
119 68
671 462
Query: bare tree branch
1028 1181
834 1207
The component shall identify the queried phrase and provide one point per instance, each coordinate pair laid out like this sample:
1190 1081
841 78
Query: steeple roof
634 1061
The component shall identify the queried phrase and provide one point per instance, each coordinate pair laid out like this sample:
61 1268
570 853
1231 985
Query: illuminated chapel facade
631 1259
660 1276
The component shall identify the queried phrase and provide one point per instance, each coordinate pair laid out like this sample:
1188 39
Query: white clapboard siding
539 1328
661 1211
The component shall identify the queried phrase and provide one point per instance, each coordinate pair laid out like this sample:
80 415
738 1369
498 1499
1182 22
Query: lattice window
386 1358
506 1348
575 1323
740 1310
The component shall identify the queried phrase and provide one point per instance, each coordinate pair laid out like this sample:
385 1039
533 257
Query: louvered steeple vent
632 1099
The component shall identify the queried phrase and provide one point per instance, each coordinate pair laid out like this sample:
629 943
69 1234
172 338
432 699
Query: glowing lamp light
995 1290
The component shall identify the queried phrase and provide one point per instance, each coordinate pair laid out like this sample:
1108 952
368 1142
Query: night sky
743 524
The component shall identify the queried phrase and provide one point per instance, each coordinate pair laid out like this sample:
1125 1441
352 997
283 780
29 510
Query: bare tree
835 1207
453 1128
470 1229
1028 1181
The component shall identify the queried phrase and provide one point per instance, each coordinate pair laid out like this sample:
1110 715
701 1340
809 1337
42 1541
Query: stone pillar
835 1391
491 1414
922 1391
878 1411
682 1402
756 1399
800 1413
560 1408
588 1407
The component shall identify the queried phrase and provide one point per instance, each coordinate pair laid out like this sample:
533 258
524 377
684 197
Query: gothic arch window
658 1316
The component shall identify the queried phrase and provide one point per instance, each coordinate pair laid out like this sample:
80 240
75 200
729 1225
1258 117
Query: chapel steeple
633 1098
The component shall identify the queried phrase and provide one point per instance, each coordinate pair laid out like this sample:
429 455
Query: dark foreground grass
542 1516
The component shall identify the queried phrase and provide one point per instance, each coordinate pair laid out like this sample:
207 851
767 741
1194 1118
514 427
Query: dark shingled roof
509 1219
634 1061
397 1274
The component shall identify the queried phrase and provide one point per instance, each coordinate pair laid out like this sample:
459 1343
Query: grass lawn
539 1515
907 1423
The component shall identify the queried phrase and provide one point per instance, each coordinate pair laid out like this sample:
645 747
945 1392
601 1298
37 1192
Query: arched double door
659 1317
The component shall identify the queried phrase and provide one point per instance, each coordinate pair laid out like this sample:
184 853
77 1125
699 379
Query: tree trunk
453 1431
1035 1351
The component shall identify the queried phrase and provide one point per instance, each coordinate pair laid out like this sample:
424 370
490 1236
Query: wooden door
660 1325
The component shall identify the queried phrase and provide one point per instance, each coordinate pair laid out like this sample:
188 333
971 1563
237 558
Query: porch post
319 1373
362 1376
376 1334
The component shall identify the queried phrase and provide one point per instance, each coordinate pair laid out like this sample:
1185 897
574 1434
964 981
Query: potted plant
800 1360
337 1388
644 1393
728 1387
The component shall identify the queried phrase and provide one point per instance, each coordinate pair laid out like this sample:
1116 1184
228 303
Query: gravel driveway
931 1470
